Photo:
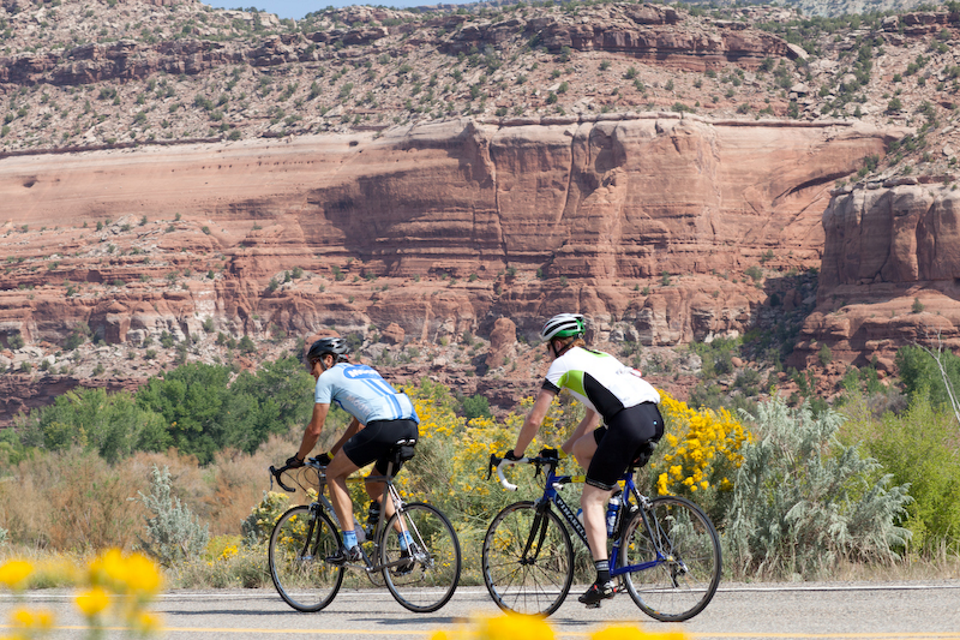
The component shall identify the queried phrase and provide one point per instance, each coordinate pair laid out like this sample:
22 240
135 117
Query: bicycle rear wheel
423 577
527 560
298 547
685 574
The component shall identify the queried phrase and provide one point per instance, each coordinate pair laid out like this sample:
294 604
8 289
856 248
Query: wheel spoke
537 583
424 575
687 572
298 547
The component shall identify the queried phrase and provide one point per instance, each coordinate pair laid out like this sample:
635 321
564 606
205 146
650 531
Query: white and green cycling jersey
600 381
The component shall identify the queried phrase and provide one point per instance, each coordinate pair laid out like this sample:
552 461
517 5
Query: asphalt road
821 611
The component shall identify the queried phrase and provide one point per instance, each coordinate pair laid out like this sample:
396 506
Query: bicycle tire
524 586
431 578
684 581
299 545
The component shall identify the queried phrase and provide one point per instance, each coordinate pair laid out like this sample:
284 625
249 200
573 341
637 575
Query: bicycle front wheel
423 576
683 559
527 560
299 544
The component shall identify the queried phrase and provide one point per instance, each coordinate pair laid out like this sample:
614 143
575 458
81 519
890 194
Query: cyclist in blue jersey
382 417
628 406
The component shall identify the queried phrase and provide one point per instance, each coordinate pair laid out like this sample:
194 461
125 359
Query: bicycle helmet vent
337 346
563 325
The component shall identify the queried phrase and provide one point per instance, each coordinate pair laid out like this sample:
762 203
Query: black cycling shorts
618 443
375 441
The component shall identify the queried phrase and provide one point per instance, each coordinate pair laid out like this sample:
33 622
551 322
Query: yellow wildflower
620 632
15 573
512 626
26 619
93 601
143 576
148 623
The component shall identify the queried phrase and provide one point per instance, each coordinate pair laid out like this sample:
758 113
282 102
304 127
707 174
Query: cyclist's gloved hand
511 456
293 462
549 452
323 459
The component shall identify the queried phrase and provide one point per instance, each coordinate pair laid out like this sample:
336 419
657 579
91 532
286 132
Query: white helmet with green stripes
563 325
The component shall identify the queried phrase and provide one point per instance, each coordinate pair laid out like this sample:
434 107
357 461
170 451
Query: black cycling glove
323 459
549 452
511 456
293 462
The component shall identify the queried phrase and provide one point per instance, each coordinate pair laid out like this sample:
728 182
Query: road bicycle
422 577
665 551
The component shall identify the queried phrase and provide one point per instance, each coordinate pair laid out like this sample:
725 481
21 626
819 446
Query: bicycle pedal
595 605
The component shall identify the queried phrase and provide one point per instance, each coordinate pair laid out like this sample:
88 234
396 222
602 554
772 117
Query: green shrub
175 534
92 419
921 374
256 528
803 502
920 449
476 407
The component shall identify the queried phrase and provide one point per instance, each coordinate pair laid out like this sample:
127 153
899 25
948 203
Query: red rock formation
602 204
890 274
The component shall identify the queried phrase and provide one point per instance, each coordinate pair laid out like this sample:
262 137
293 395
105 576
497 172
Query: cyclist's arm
534 419
314 428
351 431
588 424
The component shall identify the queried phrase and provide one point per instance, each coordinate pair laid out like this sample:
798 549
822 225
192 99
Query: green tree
191 398
476 407
113 425
270 401
922 377
919 448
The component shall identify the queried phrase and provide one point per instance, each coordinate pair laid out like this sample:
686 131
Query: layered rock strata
637 221
890 275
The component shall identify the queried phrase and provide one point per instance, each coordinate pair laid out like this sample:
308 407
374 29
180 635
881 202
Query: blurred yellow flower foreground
511 626
113 584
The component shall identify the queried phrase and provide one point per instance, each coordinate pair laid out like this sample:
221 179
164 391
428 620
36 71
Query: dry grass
75 502
913 567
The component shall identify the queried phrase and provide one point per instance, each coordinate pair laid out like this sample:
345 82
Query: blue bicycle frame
551 494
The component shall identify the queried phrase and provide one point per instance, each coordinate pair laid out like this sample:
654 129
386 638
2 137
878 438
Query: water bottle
612 508
373 517
361 534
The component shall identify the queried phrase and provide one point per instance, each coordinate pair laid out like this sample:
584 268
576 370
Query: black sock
603 570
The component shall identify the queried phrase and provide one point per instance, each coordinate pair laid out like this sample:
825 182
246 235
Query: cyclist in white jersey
628 406
382 416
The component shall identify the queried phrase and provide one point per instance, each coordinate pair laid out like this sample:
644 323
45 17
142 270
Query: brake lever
276 475
494 461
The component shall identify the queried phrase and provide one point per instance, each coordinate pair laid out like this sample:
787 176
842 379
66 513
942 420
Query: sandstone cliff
891 268
175 179
636 220
589 208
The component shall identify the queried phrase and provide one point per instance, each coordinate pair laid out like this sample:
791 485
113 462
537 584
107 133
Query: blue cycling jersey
363 393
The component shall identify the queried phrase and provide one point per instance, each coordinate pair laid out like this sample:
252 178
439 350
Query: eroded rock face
636 221
890 275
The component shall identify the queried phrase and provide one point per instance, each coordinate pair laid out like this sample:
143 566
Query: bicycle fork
538 532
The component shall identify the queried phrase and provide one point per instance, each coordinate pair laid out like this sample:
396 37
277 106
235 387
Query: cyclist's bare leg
593 501
337 471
